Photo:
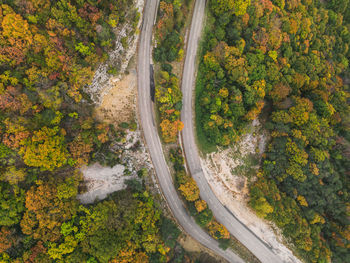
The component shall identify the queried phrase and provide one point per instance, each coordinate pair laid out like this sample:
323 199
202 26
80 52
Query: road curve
153 142
236 228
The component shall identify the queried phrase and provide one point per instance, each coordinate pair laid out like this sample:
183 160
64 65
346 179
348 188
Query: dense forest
54 227
48 53
288 62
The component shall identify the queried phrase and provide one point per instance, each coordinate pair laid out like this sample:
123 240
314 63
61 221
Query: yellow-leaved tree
45 149
190 190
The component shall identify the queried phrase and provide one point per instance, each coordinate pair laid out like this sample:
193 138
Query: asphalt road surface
235 227
154 145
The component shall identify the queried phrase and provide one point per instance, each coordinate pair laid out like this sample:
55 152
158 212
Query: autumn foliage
218 231
49 51
170 130
168 96
190 190
286 62
169 49
45 149
200 205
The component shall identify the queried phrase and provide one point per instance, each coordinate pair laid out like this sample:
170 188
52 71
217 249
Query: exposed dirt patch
199 252
229 172
118 58
118 104
189 244
102 181
234 167
115 99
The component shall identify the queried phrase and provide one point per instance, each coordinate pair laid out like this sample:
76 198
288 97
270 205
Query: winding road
153 142
235 227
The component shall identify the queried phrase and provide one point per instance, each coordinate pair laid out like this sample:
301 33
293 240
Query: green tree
11 204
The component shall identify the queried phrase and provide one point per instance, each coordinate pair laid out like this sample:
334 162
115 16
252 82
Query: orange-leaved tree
170 129
200 205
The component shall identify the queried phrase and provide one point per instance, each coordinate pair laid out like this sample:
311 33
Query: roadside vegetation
172 17
290 59
199 209
169 49
49 51
168 99
204 144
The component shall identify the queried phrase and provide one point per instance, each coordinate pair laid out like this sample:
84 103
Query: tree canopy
288 60
49 51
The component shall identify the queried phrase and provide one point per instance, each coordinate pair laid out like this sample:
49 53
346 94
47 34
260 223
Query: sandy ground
231 188
118 104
